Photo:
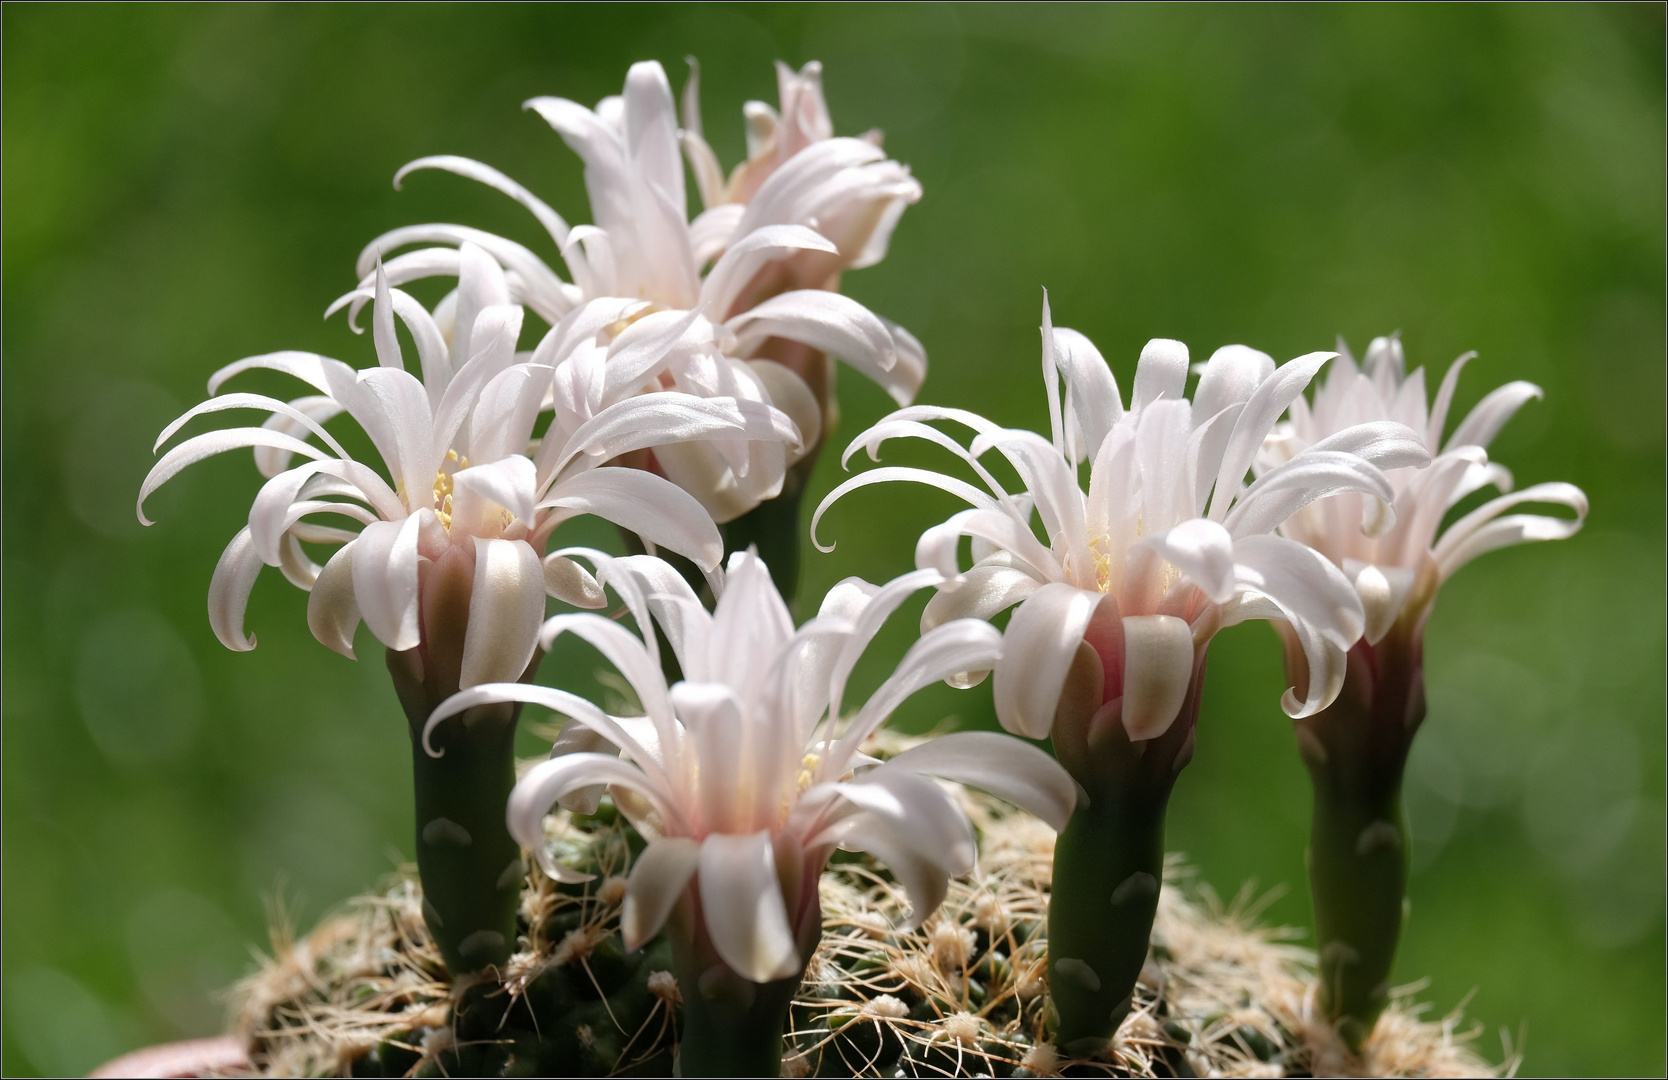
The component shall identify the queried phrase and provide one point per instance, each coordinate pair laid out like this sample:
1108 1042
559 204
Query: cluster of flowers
685 380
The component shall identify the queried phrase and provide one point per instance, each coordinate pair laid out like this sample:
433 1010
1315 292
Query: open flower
1398 571
745 776
448 553
717 269
1167 545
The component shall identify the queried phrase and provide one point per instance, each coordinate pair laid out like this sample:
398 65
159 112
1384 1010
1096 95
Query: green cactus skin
1356 751
773 528
1109 861
732 1026
469 864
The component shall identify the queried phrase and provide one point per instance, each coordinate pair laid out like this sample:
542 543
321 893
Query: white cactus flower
455 532
723 270
745 776
1398 571
1167 545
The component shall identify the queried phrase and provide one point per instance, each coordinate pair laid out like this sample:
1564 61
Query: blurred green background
188 185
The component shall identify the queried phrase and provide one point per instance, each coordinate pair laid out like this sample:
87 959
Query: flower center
443 488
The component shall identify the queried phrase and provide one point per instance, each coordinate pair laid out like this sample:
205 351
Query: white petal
952 649
1484 530
741 904
208 444
657 879
1158 668
1160 373
1314 474
1382 591
385 581
650 506
1304 583
982 592
505 607
750 624
1092 399
486 174
830 323
1000 764
1271 398
1037 650
788 392
959 488
1230 377
1383 443
228 596
332 611
549 781
745 257
1484 421
1445 399
571 583
481 491
1202 550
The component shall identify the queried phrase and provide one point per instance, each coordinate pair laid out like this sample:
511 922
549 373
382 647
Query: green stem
469 864
1356 752
773 528
1109 860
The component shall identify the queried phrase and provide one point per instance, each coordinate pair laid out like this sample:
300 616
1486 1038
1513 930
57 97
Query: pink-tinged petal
658 879
1327 665
208 444
1160 373
505 607
665 418
332 610
385 581
1484 422
1000 764
1271 398
576 738
788 392
1037 650
509 405
652 507
711 714
1202 550
403 406
1485 530
866 623
228 596
741 904
1158 666
982 593
650 585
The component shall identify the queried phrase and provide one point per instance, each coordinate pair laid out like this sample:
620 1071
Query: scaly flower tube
745 776
445 568
756 278
1356 749
1105 652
